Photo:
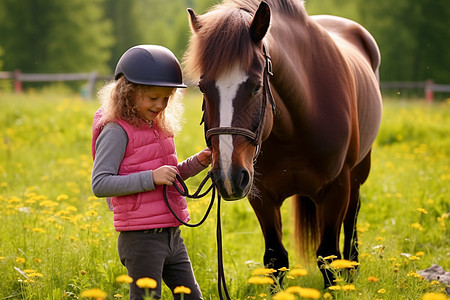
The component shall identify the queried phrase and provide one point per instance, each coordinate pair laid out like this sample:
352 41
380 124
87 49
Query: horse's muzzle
234 184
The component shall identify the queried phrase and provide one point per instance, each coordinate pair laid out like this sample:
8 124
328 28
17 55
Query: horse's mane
223 37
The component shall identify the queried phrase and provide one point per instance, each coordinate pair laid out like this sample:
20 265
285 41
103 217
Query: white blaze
228 85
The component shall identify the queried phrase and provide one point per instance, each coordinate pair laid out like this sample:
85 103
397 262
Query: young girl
134 156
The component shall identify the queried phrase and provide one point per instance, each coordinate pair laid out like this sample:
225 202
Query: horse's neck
291 54
299 58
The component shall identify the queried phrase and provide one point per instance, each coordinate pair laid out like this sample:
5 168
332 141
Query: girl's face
153 100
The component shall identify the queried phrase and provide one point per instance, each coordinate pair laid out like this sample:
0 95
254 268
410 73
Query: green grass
62 238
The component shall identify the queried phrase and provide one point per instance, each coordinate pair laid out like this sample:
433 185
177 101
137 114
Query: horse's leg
332 203
358 176
267 211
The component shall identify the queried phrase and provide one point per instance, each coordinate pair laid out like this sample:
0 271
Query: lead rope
184 191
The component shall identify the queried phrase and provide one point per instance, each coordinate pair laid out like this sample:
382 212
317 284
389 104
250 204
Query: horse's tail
306 226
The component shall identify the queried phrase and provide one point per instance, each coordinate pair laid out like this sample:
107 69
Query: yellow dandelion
93 293
434 296
36 274
298 272
330 257
335 288
348 287
294 289
260 280
38 260
39 230
309 293
381 291
414 257
327 296
62 197
343 264
420 253
283 269
182 290
283 296
146 282
417 226
2 257
118 296
372 279
48 203
72 208
124 279
435 282
263 271
413 274
92 213
423 211
20 260
287 276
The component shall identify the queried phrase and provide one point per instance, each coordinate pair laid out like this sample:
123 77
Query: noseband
254 137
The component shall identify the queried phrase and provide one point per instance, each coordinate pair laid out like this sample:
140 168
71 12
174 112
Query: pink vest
147 149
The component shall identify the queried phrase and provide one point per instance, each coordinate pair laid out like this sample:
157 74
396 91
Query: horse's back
353 33
363 55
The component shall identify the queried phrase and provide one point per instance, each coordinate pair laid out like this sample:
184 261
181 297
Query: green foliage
55 36
82 36
151 22
57 240
411 35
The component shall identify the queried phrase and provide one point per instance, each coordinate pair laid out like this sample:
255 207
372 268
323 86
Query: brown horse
312 122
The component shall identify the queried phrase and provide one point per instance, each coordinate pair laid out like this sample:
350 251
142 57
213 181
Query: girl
134 156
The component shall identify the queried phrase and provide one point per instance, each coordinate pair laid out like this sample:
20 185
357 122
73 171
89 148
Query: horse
291 108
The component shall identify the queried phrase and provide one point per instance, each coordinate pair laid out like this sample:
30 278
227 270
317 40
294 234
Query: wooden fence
19 77
428 87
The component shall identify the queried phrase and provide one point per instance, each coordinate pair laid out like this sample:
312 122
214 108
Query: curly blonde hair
118 99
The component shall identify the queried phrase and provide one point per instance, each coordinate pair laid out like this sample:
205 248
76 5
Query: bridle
255 137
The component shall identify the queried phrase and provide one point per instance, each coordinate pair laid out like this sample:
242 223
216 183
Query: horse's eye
257 89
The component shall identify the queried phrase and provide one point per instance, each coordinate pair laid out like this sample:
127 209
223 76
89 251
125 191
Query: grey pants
158 254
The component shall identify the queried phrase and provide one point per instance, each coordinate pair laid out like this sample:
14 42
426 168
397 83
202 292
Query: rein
184 191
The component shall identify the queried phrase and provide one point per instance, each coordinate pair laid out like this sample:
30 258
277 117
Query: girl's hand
164 175
204 157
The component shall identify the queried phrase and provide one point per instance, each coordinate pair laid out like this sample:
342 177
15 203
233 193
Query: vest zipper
158 137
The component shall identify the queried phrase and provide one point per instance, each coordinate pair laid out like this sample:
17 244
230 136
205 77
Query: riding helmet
150 65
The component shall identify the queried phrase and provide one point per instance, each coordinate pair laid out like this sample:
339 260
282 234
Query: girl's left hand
204 157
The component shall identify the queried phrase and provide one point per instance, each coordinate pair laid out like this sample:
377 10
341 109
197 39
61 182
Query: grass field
57 240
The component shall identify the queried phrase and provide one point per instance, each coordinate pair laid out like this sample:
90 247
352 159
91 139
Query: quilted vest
147 149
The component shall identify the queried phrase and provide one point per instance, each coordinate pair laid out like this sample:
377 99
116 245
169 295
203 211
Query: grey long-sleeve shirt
109 151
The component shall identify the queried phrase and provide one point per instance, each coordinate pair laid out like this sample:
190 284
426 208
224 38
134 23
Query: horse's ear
260 23
195 24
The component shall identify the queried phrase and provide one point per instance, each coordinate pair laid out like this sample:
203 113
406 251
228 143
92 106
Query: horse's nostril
245 179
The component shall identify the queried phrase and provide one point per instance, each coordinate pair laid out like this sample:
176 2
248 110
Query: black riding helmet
150 65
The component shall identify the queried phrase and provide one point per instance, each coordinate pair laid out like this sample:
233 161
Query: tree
55 36
413 37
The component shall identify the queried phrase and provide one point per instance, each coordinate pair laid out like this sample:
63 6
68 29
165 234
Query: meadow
57 240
